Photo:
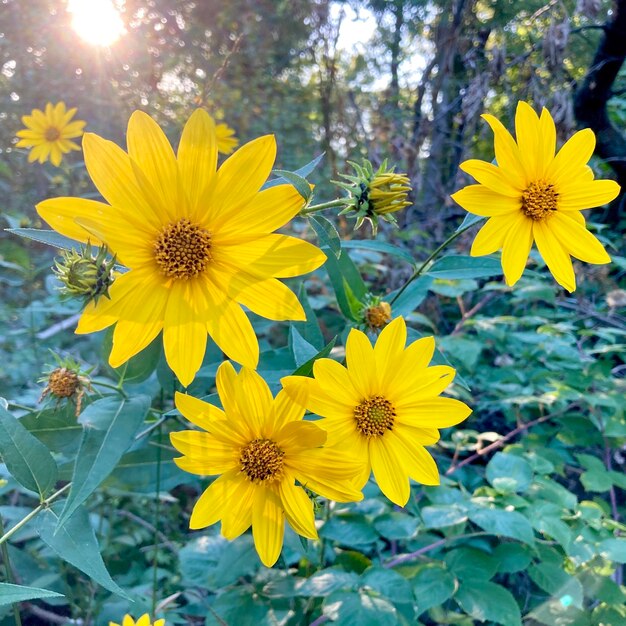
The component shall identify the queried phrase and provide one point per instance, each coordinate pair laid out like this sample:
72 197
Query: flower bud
376 313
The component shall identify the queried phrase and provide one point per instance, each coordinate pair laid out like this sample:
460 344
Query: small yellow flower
48 133
199 243
383 407
226 140
266 454
535 195
144 620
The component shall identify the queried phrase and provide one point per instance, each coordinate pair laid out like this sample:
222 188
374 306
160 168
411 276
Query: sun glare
96 21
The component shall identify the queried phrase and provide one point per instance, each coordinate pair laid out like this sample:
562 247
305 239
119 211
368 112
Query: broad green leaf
484 601
110 426
411 297
379 246
26 458
596 480
304 171
56 428
470 563
301 349
49 237
614 550
325 582
309 329
442 515
350 530
509 473
388 583
9 594
512 557
396 525
455 267
553 580
327 234
307 368
301 184
231 606
347 609
504 523
432 586
469 220
76 543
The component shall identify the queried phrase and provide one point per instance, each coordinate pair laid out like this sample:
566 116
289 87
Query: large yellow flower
535 195
384 407
266 455
49 133
144 620
226 140
198 243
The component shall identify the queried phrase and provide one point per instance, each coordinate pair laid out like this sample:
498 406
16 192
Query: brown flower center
262 460
539 200
378 316
63 383
374 416
182 250
52 133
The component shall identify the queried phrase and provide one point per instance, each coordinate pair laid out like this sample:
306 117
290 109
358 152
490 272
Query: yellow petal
491 176
334 380
577 240
112 174
268 525
56 155
267 211
290 407
388 350
128 621
241 176
516 248
586 195
388 471
294 437
255 400
318 401
197 158
480 200
415 459
547 142
433 413
360 363
527 135
149 148
225 381
184 332
422 384
216 456
507 153
298 509
237 516
213 502
278 256
60 213
491 236
555 255
197 411
575 153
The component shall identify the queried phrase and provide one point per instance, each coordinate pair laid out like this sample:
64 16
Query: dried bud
375 313
66 382
83 275
374 195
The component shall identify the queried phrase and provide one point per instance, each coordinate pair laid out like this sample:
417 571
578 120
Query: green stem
6 536
418 272
156 526
7 565
320 207
117 388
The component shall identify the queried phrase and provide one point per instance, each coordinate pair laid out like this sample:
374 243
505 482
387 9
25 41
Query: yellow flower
144 620
48 133
199 243
533 195
266 455
226 140
384 407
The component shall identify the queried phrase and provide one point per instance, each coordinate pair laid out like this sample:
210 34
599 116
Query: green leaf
327 234
379 246
509 473
469 220
76 543
347 283
301 349
553 580
614 550
596 480
504 523
442 515
432 586
347 609
512 557
388 583
309 329
350 530
110 426
301 184
411 297
26 458
49 237
487 601
9 594
57 428
325 582
396 525
455 267
470 563
307 368
304 171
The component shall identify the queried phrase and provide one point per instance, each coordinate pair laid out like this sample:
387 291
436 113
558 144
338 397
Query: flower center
182 250
374 416
52 134
539 200
262 460
63 383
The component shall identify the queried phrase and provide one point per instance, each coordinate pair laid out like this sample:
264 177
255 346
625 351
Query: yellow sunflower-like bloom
384 407
144 620
535 195
226 140
49 133
199 243
266 455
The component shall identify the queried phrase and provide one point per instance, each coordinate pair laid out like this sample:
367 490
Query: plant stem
320 207
418 272
117 388
6 536
156 525
9 573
